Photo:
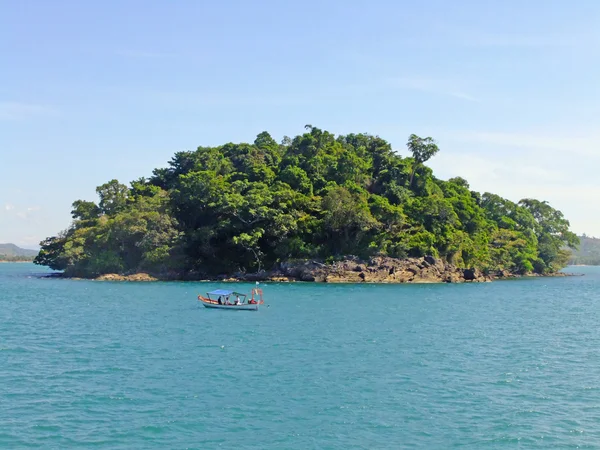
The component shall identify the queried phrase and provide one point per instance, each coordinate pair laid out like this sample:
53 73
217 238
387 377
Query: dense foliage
244 207
588 253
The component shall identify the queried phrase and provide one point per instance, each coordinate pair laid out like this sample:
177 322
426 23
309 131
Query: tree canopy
246 207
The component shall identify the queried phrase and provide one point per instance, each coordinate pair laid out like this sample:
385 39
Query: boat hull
244 307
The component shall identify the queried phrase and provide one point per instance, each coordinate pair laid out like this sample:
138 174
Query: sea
125 365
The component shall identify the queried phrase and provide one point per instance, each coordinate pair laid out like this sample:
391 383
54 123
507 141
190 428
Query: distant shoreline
15 262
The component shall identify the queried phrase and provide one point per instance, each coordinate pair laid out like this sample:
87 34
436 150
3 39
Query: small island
317 207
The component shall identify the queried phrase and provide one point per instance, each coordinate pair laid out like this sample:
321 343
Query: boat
225 299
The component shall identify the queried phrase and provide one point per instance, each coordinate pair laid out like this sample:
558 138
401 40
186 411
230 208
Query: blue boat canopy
221 292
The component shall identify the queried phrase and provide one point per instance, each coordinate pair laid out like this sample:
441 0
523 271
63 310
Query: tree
552 231
250 242
84 210
265 141
422 150
113 197
297 178
346 219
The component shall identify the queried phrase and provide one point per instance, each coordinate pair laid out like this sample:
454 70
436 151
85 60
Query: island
588 253
316 207
14 253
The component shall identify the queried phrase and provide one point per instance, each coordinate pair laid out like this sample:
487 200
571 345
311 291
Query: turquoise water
126 365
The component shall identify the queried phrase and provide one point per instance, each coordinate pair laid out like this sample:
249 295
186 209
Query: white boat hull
244 307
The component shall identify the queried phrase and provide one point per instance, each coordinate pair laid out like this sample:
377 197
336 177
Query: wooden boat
225 299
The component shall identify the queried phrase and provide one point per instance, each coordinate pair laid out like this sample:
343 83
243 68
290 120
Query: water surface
133 365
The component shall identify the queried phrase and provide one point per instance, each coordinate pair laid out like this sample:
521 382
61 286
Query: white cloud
23 213
583 144
434 86
222 99
546 165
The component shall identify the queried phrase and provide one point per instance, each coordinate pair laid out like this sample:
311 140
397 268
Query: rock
257 276
307 276
430 260
322 278
279 279
109 277
378 269
133 277
472 274
414 269
141 277
452 278
404 278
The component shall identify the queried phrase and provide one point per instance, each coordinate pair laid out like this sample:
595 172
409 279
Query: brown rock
279 279
472 274
133 277
414 269
430 260
378 269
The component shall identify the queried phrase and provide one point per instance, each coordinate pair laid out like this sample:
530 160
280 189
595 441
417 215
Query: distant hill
10 252
588 253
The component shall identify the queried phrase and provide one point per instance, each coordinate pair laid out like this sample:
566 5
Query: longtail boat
225 299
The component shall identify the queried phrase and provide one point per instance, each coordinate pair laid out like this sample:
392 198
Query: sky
91 91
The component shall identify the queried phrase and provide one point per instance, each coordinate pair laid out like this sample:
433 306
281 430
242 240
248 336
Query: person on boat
237 300
219 300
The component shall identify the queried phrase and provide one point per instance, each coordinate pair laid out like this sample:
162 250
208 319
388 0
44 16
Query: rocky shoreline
374 270
350 270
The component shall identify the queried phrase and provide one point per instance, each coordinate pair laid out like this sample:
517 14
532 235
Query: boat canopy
221 292
224 292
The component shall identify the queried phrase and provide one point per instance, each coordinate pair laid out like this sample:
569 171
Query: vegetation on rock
246 207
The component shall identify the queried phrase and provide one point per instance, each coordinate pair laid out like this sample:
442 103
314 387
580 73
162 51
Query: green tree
552 231
84 210
113 197
346 218
422 150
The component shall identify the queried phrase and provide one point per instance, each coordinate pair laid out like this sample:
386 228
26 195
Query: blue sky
91 91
